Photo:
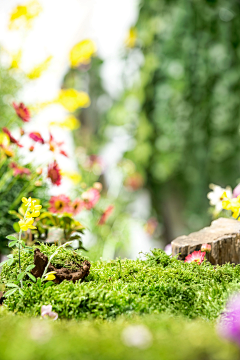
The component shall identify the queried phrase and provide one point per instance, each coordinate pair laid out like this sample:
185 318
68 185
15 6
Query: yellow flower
75 177
16 59
32 203
37 71
131 38
70 123
33 214
23 15
72 99
26 224
231 204
82 52
50 275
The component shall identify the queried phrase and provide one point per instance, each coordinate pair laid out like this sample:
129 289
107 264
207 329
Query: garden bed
155 285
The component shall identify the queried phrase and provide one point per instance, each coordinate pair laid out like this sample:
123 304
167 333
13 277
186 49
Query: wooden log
224 237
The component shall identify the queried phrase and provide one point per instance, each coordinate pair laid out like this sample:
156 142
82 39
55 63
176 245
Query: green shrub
172 339
155 285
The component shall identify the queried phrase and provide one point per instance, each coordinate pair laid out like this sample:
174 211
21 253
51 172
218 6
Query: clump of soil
80 271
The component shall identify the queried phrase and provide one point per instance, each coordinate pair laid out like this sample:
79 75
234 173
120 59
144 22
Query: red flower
22 112
106 215
90 198
196 256
59 204
11 138
54 173
77 206
19 170
35 136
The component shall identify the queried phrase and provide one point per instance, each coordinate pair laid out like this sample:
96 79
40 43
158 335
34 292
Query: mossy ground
172 338
152 286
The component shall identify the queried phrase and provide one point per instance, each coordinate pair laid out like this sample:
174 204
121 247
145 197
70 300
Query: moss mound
169 338
155 285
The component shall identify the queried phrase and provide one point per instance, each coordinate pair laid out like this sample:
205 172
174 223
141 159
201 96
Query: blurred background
142 96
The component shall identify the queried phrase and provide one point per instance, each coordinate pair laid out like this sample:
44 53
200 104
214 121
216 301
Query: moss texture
171 338
155 285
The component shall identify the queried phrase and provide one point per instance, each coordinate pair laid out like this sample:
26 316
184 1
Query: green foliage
155 285
9 86
183 111
11 192
172 339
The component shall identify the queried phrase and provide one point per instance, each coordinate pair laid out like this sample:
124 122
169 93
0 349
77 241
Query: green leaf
31 277
10 261
10 237
28 249
12 285
49 283
21 276
3 262
30 267
12 243
21 292
16 227
9 292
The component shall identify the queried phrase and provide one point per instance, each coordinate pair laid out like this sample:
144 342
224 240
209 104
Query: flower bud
206 247
97 186
39 171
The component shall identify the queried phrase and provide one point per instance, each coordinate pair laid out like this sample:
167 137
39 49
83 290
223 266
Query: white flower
137 336
215 196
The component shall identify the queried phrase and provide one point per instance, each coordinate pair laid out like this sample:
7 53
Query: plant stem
19 244
19 255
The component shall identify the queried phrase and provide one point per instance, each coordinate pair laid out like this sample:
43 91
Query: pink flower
196 256
46 311
236 191
37 137
59 204
54 173
206 247
168 249
11 138
19 170
22 112
90 198
106 215
77 206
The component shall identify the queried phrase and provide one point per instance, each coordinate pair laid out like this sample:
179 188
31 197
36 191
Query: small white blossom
215 196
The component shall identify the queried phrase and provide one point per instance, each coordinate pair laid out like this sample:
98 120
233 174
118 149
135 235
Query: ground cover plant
146 337
155 285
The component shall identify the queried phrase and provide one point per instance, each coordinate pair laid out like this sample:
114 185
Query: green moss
155 285
172 339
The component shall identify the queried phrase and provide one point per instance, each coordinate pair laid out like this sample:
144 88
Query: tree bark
224 237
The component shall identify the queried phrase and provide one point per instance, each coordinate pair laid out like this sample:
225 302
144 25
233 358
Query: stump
224 237
41 261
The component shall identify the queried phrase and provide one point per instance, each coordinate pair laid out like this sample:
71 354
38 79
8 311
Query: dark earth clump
41 260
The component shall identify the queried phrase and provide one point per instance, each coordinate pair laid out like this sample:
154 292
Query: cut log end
224 237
